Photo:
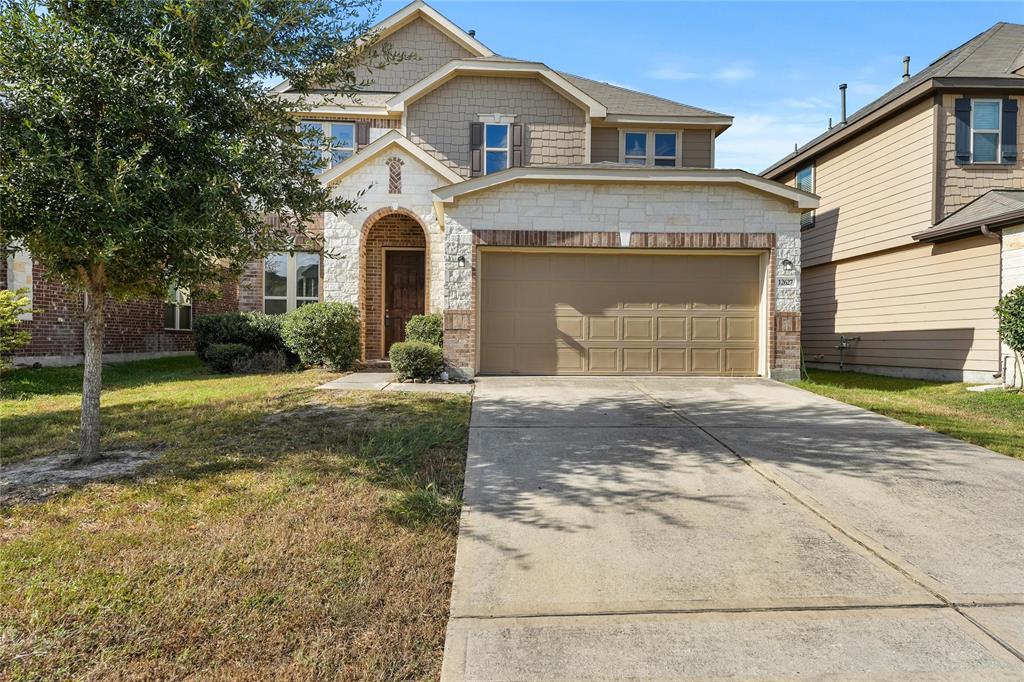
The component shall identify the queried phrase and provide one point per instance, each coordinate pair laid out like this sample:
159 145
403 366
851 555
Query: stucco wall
342 233
554 127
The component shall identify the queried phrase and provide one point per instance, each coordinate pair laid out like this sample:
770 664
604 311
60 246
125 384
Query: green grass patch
283 532
992 419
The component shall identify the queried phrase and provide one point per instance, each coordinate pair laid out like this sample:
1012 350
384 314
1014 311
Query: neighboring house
921 222
559 224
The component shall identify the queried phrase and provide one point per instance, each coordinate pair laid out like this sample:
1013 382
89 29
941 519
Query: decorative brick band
638 240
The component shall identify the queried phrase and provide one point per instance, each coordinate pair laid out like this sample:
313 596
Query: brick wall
390 230
555 128
135 326
250 283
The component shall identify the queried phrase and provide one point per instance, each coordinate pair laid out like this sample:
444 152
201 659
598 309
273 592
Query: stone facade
343 235
625 215
554 128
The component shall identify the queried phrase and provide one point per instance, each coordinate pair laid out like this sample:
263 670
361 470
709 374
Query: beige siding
962 184
876 191
698 148
923 306
431 48
555 128
604 145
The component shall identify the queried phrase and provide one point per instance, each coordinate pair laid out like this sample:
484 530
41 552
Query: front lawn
993 419
282 533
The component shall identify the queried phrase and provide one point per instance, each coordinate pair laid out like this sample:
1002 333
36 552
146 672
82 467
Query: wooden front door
404 292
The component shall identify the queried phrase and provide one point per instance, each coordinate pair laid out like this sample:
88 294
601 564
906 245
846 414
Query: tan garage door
590 313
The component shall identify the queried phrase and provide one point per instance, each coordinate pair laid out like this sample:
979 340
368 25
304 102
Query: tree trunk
92 378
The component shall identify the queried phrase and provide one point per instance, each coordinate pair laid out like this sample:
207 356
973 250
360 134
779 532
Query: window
985 131
290 281
340 138
495 147
805 181
650 148
177 309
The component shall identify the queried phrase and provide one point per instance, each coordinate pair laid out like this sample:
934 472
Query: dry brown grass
284 534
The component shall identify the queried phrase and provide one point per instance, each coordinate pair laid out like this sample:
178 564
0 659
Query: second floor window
341 142
650 148
290 281
495 147
985 130
805 181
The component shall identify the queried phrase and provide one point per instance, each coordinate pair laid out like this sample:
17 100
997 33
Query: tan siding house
906 255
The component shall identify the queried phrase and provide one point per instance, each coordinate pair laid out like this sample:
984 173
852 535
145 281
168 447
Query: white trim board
392 138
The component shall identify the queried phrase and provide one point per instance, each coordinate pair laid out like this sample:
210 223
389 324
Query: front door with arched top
404 291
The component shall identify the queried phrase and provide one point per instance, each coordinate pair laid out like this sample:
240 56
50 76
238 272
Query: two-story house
560 225
921 222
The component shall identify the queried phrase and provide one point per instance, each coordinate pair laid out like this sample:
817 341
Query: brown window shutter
517 145
362 133
962 111
476 149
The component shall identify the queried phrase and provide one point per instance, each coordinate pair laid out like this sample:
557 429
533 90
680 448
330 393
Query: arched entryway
395 278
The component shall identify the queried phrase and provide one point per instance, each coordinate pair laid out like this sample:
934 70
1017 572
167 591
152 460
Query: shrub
259 331
416 360
425 328
267 361
221 357
324 334
1010 312
13 304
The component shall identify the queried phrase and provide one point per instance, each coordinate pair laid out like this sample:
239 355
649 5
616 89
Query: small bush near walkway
425 328
416 360
221 357
323 334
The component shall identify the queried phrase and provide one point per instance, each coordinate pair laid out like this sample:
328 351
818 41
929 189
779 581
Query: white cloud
757 140
806 103
729 74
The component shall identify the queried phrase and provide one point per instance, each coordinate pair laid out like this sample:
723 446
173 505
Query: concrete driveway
643 528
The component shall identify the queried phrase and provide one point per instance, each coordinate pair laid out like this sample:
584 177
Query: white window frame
507 148
998 130
290 298
796 183
179 298
649 152
327 155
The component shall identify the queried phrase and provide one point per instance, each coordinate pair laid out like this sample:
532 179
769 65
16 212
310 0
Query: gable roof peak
417 9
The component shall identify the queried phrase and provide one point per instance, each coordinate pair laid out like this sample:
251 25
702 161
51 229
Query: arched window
394 175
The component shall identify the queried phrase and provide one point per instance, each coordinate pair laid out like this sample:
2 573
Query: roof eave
938 234
803 200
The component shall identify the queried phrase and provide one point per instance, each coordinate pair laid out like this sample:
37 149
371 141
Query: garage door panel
576 313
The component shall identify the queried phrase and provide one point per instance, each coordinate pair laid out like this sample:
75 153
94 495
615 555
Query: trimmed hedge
259 331
425 328
324 334
222 357
416 360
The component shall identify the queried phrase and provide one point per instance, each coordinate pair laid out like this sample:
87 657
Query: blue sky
774 66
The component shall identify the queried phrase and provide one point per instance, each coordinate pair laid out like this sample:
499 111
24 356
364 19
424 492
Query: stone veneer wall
1012 277
343 235
656 216
554 127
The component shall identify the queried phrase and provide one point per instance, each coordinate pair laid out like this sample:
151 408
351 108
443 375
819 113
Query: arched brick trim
399 233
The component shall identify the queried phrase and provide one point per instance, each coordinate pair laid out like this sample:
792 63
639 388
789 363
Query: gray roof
993 208
995 53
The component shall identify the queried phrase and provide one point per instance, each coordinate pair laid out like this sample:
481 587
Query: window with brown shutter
476 149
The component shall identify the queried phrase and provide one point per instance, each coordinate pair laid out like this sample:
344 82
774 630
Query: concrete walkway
661 528
386 381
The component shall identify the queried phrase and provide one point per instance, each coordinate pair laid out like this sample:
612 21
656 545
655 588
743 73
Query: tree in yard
140 149
1010 313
